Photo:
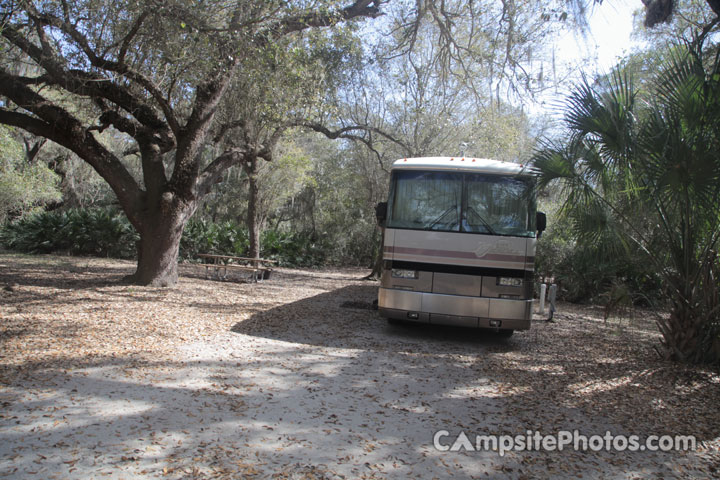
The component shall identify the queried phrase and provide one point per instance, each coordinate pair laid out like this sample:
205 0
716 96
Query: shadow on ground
310 387
343 318
552 371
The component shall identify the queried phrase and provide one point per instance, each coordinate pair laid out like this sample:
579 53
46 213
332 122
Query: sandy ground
297 378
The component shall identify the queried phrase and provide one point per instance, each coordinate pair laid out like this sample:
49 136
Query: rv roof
469 164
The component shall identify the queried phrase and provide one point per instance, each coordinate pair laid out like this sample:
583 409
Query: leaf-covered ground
296 378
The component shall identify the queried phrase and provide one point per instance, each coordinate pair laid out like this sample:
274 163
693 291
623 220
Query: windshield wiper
484 222
437 220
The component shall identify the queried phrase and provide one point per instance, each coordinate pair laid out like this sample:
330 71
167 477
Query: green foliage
293 249
10 149
99 232
588 268
231 238
107 233
315 192
348 184
688 17
226 238
646 171
23 186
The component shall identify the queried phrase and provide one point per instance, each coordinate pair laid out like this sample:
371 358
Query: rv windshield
462 202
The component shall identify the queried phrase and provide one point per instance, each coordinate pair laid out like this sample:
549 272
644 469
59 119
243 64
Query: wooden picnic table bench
258 268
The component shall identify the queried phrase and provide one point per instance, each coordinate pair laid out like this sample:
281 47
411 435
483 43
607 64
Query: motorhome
459 243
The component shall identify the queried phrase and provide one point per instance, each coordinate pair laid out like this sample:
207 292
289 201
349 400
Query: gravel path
298 378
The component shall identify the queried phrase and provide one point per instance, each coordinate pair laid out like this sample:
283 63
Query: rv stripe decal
497 257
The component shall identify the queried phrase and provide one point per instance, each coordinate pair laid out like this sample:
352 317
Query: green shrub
588 271
201 236
108 233
292 249
99 232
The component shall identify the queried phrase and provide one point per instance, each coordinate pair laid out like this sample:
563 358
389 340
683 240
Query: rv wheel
505 333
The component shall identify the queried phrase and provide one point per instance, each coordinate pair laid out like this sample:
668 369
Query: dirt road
298 378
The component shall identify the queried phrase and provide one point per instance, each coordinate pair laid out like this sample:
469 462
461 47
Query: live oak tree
156 72
294 83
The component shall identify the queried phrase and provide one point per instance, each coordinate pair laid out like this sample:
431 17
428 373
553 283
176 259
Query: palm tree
646 165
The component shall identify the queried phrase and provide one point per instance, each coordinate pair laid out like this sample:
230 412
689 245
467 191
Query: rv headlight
510 281
398 273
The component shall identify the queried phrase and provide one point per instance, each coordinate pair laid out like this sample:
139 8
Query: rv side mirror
381 213
540 222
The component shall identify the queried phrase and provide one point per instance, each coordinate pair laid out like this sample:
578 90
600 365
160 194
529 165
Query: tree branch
344 133
217 167
119 66
192 135
80 82
360 8
131 34
226 127
61 127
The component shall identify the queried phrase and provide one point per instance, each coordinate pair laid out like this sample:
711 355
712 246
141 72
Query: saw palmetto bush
225 238
645 166
99 232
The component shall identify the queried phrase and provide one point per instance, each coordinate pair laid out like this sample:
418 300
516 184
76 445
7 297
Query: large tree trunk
378 261
159 244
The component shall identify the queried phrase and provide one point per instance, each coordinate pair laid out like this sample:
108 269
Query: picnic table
259 269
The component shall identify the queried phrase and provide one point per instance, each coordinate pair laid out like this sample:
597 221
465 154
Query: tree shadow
579 366
313 385
74 273
274 411
329 320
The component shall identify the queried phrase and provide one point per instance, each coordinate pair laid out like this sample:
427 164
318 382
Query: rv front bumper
439 309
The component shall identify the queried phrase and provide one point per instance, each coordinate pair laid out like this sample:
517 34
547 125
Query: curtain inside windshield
490 204
496 205
427 201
